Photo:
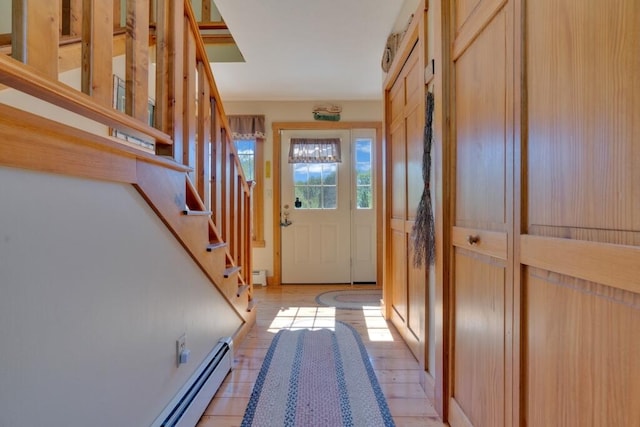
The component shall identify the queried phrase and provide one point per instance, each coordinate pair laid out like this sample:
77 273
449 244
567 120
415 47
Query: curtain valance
307 150
247 127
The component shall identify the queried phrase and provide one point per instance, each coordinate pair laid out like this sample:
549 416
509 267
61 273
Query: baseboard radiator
193 398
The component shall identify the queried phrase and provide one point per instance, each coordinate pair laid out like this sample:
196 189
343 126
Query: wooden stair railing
208 206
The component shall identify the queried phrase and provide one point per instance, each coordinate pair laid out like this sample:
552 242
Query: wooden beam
97 51
36 34
137 60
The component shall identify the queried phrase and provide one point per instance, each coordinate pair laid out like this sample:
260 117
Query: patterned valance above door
313 150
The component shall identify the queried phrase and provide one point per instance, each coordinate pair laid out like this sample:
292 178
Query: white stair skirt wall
189 404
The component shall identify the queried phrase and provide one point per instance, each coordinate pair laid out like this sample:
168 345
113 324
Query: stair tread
216 245
196 213
230 270
252 304
242 289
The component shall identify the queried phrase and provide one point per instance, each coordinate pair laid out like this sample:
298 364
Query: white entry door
316 236
331 236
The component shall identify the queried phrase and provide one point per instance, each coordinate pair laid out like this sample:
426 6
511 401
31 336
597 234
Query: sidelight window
363 165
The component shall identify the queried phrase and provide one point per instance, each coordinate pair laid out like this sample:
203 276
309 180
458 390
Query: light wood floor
282 307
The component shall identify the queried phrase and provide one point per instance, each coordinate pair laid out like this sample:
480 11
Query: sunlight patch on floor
376 325
296 318
316 318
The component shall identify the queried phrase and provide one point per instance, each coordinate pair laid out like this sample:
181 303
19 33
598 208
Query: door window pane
362 166
329 197
329 172
315 185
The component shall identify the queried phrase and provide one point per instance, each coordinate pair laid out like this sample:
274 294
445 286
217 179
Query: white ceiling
318 50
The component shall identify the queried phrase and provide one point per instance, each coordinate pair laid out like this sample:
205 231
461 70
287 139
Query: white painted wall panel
94 291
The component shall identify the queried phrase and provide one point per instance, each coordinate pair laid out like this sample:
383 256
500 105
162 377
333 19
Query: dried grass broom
423 232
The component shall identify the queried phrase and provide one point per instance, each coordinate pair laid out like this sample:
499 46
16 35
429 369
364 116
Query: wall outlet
181 345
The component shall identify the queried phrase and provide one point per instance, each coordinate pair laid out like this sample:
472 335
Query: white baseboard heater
193 398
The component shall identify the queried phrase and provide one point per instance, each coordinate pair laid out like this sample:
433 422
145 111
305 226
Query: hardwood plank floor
294 306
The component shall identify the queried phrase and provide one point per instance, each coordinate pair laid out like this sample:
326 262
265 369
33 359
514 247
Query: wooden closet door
482 282
580 363
406 104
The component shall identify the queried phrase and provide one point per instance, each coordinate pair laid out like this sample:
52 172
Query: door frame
277 128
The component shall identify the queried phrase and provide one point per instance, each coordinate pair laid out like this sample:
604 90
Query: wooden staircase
193 179
172 196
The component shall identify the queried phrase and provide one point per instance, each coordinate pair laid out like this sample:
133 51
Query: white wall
292 111
408 7
94 292
5 16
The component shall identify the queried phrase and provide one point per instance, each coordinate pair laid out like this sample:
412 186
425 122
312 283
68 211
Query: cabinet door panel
581 303
482 282
479 357
399 273
480 128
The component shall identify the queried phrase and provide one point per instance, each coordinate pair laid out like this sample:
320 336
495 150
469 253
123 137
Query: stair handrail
25 78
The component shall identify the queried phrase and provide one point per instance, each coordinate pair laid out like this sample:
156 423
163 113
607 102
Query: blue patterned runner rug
317 378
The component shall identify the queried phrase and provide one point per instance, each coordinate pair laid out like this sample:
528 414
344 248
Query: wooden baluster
117 12
189 93
235 215
240 222
169 85
204 136
70 22
248 223
152 12
97 50
216 170
223 159
64 23
36 34
71 18
231 211
137 60
206 11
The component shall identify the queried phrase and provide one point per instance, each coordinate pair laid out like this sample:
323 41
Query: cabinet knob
473 239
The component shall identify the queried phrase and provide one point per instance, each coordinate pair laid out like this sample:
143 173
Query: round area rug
351 299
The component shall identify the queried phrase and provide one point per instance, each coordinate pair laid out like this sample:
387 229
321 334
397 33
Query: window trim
258 195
